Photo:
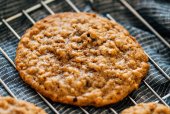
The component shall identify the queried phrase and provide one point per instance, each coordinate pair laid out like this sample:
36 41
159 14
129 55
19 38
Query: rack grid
44 4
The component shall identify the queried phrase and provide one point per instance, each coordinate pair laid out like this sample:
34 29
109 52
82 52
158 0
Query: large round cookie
81 59
10 105
147 108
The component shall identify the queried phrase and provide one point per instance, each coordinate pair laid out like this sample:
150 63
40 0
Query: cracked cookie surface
147 108
81 59
10 105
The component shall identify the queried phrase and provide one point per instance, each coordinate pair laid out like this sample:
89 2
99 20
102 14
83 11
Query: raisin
75 99
88 35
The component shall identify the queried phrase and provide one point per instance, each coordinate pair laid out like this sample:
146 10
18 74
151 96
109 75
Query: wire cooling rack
44 4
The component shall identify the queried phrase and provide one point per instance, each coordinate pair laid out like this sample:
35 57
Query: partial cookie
10 105
147 108
81 59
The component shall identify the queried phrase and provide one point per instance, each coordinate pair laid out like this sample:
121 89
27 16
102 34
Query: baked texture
81 59
147 108
10 105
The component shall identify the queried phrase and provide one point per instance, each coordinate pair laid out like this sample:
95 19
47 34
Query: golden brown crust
81 59
147 108
10 105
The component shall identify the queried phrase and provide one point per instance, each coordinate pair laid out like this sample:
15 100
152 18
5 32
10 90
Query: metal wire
131 9
7 88
33 8
134 102
3 52
26 14
164 97
158 67
156 94
84 110
113 110
12 30
110 17
48 103
47 8
73 6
